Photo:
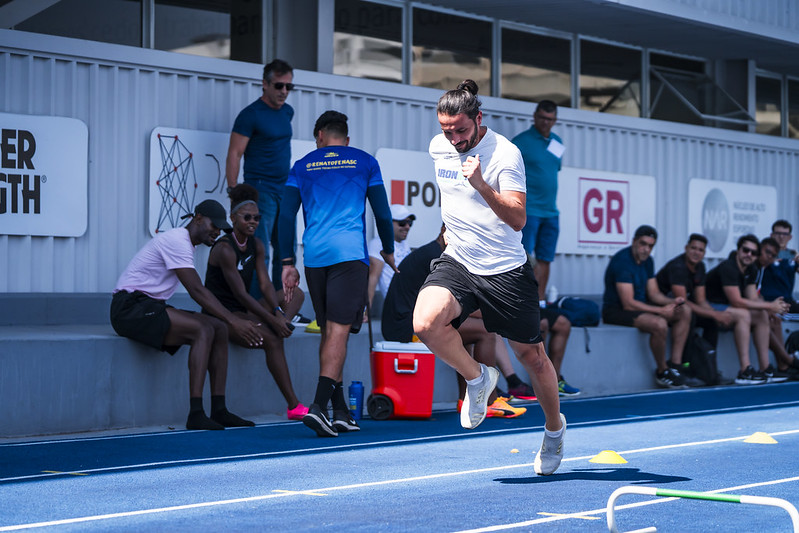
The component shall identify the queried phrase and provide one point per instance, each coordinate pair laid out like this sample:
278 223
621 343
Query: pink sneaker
297 413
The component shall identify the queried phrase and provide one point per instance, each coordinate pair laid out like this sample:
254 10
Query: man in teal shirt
542 152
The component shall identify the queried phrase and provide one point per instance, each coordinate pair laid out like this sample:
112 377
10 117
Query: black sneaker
343 422
684 369
670 379
793 373
317 421
229 420
774 375
748 376
300 320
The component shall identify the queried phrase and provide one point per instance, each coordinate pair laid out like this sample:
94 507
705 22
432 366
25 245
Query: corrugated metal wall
777 13
123 93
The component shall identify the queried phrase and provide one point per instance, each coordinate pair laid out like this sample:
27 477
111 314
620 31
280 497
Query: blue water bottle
356 399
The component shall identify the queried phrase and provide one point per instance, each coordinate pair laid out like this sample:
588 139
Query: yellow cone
760 438
608 457
514 450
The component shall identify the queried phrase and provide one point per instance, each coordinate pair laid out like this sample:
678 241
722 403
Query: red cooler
402 381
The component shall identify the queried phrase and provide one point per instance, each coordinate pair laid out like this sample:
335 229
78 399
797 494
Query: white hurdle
708 496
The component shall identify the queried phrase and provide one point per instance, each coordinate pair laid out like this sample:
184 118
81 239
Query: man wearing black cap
632 298
139 311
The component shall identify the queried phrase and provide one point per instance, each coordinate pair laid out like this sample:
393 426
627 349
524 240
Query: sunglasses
403 223
279 86
249 217
749 251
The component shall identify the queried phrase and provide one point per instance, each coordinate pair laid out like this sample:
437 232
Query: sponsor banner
187 167
44 169
723 211
410 181
599 211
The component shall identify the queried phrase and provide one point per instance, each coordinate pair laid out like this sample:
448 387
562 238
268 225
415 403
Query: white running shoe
548 458
475 402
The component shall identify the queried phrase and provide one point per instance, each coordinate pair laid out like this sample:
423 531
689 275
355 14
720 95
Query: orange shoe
460 405
502 409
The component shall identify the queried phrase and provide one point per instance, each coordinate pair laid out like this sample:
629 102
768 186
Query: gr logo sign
604 211
716 219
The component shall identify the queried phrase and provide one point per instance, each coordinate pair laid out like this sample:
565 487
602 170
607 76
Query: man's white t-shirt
476 237
401 251
152 269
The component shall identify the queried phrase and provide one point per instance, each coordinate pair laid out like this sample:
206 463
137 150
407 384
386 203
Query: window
768 105
536 67
448 49
793 109
677 88
367 41
108 21
199 28
610 79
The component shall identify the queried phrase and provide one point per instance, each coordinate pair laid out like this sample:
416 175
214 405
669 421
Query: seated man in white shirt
380 274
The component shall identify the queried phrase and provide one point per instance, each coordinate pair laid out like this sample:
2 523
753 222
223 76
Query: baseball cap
213 210
400 212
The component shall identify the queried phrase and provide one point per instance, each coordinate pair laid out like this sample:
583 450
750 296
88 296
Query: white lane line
603 510
370 484
201 460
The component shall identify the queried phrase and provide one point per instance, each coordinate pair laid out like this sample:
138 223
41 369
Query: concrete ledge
61 378
72 378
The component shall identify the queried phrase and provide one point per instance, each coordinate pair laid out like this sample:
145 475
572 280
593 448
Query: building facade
660 107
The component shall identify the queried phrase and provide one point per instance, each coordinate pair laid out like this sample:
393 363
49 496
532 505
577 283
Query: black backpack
701 358
792 343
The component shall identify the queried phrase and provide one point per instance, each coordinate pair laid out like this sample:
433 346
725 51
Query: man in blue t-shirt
262 134
332 184
632 298
542 152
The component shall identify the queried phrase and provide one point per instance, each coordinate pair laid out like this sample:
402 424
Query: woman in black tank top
233 261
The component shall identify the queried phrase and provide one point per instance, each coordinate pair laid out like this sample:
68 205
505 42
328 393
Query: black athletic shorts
619 316
339 293
137 316
507 301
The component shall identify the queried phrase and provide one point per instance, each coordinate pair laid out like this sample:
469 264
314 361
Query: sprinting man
484 266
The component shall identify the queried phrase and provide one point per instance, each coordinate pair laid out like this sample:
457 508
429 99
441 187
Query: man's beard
472 142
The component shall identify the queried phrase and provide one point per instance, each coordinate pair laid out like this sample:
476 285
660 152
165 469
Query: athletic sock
338 401
197 418
553 434
217 403
196 404
513 380
477 380
324 391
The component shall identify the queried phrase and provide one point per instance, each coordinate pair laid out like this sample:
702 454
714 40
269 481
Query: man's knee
209 328
759 316
653 324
